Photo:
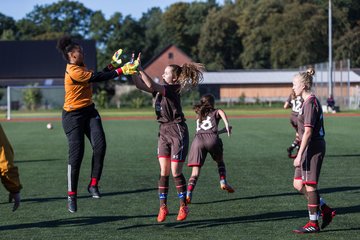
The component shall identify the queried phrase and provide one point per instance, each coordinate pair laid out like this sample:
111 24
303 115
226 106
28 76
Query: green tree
181 25
347 47
173 26
298 35
254 31
8 34
196 16
101 99
32 97
50 21
126 34
349 7
150 24
136 99
219 46
238 34
111 44
99 29
7 27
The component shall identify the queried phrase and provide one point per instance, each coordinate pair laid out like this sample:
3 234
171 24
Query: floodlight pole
330 52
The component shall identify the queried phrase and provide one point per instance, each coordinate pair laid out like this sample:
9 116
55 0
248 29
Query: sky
17 9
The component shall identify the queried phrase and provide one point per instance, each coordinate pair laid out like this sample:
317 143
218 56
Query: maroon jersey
311 115
209 124
295 104
168 107
206 140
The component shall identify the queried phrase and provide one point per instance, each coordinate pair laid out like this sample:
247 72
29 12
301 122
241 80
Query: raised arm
146 80
226 122
149 82
139 83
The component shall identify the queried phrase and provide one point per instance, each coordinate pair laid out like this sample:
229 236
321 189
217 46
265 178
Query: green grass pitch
264 206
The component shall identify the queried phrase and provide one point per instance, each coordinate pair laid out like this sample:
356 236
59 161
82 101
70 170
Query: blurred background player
331 104
294 102
207 140
311 153
79 116
9 173
173 140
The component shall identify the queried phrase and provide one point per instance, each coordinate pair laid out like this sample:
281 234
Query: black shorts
78 118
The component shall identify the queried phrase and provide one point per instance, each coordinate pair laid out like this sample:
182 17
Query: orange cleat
188 197
225 186
163 212
183 212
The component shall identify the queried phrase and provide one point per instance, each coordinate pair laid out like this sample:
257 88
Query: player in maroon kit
207 141
294 102
173 141
311 153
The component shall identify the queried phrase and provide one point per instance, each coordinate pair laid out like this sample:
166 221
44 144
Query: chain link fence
345 93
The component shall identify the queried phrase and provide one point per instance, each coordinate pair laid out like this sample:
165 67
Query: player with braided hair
207 140
173 140
79 116
311 153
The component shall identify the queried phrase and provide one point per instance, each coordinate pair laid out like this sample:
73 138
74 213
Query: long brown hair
189 75
205 106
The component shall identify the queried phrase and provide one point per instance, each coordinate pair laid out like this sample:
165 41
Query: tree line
241 34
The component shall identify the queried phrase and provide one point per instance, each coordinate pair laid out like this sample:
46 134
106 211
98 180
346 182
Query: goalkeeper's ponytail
66 45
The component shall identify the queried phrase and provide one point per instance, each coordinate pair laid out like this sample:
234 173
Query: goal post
37 101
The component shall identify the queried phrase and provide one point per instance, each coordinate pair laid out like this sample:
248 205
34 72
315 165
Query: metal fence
345 95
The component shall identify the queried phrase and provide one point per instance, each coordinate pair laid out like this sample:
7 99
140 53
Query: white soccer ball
49 126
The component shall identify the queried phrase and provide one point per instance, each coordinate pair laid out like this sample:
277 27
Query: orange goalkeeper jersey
78 90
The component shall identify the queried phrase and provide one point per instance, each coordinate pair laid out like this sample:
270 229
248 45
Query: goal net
34 101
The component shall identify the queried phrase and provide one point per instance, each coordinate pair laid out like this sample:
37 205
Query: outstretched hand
228 130
116 58
130 68
140 68
225 130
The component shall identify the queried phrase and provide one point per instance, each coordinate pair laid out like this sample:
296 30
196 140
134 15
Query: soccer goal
34 101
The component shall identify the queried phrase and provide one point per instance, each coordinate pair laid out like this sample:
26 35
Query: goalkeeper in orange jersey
9 172
79 116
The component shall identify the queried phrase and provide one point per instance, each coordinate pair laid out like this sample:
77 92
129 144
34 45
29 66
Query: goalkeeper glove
128 68
116 60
